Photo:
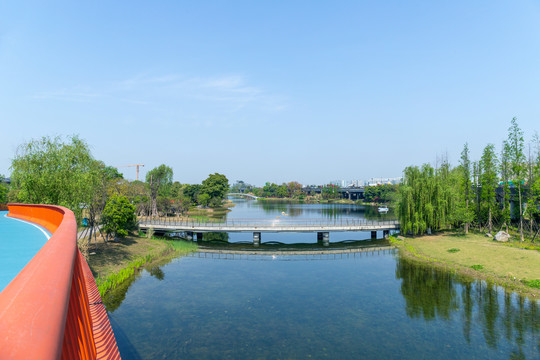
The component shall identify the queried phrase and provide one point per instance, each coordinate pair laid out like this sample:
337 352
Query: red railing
52 308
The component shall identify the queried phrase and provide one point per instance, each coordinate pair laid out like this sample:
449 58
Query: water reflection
367 305
428 293
114 298
432 294
271 209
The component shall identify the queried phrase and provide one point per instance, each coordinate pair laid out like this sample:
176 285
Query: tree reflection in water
432 293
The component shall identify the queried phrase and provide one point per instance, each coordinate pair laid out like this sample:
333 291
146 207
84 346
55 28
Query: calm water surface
365 305
286 211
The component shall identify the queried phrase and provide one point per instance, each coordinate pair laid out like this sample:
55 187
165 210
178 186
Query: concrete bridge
242 194
322 227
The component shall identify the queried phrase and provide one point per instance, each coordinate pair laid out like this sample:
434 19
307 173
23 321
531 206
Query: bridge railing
342 222
52 308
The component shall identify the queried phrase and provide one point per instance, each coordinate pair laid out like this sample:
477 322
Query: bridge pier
256 239
189 235
386 233
324 238
374 234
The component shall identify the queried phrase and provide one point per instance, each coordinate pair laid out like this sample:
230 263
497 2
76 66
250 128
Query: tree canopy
216 187
475 193
159 179
118 217
53 171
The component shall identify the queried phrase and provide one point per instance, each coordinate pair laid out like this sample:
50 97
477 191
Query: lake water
370 305
286 211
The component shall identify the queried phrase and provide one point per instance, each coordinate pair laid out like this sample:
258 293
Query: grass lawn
501 263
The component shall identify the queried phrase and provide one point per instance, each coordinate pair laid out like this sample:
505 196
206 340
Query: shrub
118 217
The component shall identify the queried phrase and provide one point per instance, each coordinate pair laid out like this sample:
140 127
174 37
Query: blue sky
269 91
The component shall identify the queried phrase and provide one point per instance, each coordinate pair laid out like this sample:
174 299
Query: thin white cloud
231 93
73 95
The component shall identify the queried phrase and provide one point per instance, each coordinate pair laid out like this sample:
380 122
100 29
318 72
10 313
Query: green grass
499 262
114 263
180 246
533 283
113 280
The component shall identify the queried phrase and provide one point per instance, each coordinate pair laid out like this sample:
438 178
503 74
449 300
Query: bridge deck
269 226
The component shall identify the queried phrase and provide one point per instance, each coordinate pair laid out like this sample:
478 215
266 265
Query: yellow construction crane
137 165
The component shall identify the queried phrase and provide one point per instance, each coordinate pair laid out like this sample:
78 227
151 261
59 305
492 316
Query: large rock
502 236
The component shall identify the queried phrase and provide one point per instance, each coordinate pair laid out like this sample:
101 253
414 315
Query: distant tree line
383 193
53 170
291 190
500 189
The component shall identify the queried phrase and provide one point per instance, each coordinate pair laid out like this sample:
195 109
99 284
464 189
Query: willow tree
51 171
157 179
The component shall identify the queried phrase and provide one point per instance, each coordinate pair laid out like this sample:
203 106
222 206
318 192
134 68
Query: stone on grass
502 236
489 235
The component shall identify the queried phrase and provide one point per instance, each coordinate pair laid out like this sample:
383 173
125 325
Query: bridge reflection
277 248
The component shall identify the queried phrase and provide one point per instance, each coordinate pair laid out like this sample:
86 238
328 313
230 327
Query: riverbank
112 263
208 212
477 256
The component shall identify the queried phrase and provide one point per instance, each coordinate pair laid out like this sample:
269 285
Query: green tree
533 202
489 182
517 164
428 198
203 199
371 193
269 190
118 217
465 164
138 194
294 188
4 190
192 192
112 173
216 186
330 192
176 190
50 171
158 178
505 176
282 191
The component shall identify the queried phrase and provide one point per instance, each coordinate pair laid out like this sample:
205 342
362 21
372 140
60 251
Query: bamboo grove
498 191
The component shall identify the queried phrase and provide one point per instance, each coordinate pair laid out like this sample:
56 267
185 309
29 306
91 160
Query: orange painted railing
52 308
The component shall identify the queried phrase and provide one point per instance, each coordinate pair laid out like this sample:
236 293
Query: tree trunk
154 207
490 224
520 213
467 223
